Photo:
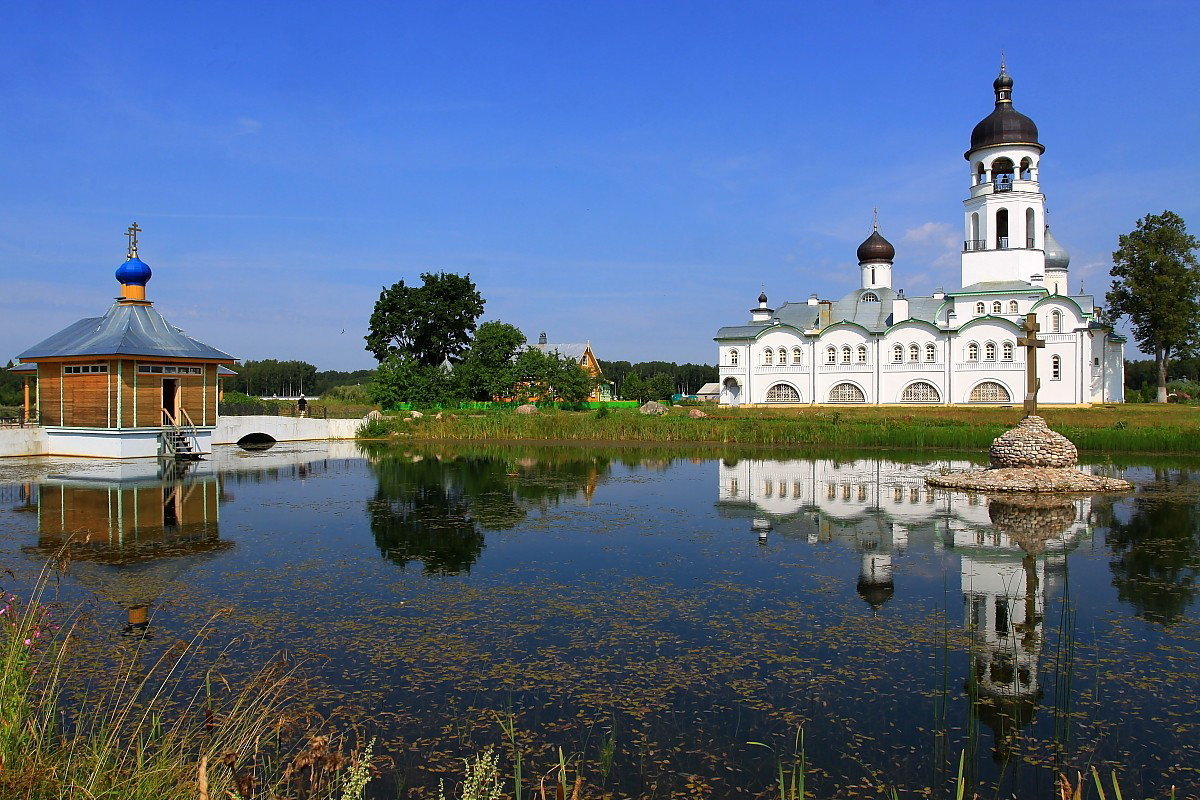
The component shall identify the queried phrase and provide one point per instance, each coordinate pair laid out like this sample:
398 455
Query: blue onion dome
134 272
876 248
1057 256
1005 125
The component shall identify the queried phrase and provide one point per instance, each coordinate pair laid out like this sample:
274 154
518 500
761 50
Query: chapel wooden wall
96 399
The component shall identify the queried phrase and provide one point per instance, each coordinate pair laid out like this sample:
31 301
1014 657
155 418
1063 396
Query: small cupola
134 274
762 313
1005 125
875 257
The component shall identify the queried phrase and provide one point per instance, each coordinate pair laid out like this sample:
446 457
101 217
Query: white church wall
894 377
856 373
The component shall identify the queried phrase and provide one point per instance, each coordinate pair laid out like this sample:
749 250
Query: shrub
373 429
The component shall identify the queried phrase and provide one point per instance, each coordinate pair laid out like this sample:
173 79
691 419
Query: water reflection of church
1012 553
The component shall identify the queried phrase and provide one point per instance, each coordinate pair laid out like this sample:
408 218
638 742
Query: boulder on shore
528 408
696 413
653 408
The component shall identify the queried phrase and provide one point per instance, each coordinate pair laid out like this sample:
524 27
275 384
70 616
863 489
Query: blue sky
628 173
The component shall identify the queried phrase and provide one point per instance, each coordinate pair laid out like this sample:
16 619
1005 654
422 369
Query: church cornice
988 318
1066 297
914 321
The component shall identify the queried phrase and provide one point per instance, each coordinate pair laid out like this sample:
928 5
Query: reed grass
161 733
1118 429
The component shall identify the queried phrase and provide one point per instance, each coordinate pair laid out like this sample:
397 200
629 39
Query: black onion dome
762 297
1005 125
876 248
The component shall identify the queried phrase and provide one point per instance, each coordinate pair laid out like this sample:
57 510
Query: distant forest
269 378
290 378
686 378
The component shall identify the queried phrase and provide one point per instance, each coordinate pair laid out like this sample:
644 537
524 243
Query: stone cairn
1033 444
1030 458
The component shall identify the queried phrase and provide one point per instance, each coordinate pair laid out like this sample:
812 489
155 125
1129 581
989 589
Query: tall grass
158 734
1123 429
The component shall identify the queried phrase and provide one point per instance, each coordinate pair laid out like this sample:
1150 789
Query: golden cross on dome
131 233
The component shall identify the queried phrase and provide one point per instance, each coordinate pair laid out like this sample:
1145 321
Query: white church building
878 346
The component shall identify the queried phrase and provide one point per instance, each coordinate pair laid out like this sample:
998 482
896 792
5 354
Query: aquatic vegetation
619 615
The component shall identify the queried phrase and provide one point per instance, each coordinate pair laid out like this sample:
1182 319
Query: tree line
270 377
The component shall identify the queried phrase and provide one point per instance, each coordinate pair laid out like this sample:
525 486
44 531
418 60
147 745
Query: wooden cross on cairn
1031 344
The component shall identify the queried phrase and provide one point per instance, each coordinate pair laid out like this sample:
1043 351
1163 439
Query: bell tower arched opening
1002 229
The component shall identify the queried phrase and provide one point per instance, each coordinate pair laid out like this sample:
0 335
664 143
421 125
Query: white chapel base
109 443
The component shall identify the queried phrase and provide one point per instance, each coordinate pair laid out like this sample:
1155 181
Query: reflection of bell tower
1004 593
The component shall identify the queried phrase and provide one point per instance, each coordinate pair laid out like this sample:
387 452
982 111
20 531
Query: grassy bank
170 730
1171 429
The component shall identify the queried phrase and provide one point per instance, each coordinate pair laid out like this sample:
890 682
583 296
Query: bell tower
1004 215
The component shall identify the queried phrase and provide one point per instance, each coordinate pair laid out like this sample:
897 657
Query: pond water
662 615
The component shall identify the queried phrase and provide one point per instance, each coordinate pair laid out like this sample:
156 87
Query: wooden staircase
178 438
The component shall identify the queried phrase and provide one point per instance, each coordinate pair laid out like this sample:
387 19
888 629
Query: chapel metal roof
127 329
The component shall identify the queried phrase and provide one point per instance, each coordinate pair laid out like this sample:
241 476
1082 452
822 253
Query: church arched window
830 355
783 356
862 354
768 357
1056 321
1026 169
1012 307
914 352
846 354
920 392
990 392
797 356
1055 368
996 306
980 308
989 351
846 393
782 393
733 357
897 353
972 351
931 352
1008 351
869 297
1030 228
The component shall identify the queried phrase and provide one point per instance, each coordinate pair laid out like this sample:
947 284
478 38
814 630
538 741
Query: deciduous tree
1156 283
428 323
487 369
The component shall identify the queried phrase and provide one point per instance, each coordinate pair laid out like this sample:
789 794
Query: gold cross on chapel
131 234
1031 343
